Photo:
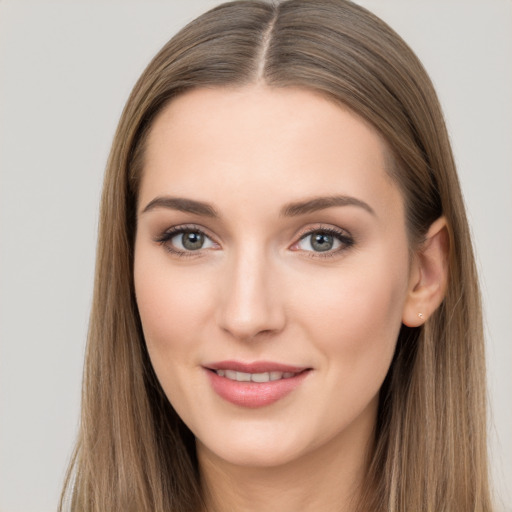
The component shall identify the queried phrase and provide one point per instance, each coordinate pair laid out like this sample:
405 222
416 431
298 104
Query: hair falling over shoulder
133 452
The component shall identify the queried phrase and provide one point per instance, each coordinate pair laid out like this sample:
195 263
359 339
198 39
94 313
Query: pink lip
253 394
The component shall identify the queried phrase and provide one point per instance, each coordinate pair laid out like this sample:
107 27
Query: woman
286 310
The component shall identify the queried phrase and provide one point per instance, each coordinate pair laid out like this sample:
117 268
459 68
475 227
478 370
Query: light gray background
66 69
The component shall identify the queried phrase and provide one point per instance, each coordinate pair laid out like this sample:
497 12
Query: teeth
230 374
254 377
260 377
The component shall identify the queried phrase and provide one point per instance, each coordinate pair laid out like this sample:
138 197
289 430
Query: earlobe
429 275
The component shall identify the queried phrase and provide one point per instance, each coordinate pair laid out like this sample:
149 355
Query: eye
326 241
191 241
183 240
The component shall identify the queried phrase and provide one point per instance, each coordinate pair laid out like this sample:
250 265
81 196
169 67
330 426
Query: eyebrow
322 203
290 210
182 205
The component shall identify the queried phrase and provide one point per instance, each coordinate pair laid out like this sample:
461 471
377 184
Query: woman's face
271 270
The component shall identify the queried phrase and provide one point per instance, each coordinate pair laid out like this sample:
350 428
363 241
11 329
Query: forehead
266 144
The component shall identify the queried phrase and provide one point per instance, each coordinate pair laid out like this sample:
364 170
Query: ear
428 275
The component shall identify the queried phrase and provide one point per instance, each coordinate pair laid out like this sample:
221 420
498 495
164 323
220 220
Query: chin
253 453
267 443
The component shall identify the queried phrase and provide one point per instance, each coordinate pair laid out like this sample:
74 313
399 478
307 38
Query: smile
252 385
254 377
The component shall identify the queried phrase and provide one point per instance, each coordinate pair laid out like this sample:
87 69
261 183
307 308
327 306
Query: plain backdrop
66 69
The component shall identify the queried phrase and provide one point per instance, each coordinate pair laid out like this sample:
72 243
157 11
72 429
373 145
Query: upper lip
255 367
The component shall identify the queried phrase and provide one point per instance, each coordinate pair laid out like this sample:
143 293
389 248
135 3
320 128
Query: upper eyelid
323 227
182 228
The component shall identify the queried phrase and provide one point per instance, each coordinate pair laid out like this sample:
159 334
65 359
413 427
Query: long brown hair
133 452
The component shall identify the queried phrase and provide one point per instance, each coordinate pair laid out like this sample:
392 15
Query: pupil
322 242
192 241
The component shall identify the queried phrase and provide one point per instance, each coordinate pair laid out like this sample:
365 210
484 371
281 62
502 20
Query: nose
250 304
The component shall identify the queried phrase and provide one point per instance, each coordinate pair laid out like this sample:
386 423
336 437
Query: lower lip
254 394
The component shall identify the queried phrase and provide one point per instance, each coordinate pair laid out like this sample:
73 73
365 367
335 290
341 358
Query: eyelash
346 240
170 233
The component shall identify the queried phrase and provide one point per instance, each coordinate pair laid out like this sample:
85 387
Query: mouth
254 384
255 377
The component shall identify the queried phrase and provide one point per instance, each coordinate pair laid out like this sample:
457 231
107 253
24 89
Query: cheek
172 307
355 318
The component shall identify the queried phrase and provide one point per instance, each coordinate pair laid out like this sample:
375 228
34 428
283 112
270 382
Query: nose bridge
250 303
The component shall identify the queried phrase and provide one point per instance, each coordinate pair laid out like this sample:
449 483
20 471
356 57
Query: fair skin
323 287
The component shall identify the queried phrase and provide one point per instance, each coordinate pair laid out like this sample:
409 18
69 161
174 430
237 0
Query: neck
328 478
